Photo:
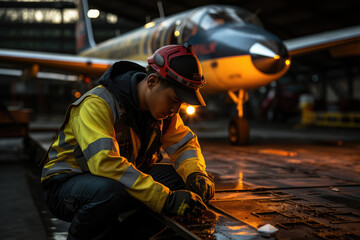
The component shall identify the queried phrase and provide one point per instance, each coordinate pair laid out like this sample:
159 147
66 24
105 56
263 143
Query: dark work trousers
92 204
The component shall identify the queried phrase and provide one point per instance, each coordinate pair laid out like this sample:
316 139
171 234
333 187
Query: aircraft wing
63 63
340 42
337 40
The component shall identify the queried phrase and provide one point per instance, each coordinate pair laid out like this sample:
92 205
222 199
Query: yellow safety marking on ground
330 119
278 152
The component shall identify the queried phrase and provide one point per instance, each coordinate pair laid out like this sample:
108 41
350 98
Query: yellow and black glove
184 203
201 184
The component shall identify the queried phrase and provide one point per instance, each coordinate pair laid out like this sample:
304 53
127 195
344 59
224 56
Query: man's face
162 102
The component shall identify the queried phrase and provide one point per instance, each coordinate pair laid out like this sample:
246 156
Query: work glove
184 203
200 184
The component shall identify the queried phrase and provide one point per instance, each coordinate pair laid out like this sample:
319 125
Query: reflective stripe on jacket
89 124
183 148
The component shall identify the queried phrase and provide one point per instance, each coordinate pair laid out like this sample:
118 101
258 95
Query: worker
104 162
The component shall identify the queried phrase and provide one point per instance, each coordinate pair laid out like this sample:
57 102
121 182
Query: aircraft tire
239 131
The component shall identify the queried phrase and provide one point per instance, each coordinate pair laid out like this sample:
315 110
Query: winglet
83 33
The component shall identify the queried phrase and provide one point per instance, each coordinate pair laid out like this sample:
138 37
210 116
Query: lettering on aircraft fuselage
204 48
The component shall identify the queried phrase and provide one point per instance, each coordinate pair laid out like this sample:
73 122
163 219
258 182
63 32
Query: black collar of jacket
120 68
121 80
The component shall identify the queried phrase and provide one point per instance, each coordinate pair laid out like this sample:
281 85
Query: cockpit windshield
214 16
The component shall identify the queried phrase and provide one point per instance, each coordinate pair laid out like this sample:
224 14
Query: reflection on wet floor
306 190
216 225
301 212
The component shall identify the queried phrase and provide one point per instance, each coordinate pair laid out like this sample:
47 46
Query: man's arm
182 145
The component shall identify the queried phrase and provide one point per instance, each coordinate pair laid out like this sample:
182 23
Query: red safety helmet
181 67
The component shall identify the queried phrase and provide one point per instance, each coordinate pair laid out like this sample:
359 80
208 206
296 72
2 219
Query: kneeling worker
105 158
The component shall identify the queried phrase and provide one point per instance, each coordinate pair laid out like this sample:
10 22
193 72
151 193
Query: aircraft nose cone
269 57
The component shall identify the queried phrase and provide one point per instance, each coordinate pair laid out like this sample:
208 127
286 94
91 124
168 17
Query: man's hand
184 203
201 184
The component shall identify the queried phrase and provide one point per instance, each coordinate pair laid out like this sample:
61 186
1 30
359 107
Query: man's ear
152 80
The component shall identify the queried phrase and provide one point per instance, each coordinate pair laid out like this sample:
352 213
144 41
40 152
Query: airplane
237 54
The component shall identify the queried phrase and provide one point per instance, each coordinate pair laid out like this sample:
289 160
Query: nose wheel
239 126
239 131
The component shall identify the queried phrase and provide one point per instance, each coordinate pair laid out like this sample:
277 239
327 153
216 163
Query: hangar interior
330 78
300 178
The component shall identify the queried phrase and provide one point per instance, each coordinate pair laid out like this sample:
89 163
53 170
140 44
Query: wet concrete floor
304 182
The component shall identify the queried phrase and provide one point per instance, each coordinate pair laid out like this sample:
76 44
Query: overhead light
39 16
176 33
149 25
93 13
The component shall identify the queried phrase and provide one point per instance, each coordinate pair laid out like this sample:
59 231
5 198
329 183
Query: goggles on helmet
160 62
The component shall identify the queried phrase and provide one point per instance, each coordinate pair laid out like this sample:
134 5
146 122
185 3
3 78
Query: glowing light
93 13
190 110
149 25
176 33
57 18
287 62
70 15
87 80
77 94
111 18
39 16
276 57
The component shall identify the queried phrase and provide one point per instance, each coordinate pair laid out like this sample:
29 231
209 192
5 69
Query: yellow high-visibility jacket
89 124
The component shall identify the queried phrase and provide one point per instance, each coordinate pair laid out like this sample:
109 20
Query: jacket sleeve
183 148
92 125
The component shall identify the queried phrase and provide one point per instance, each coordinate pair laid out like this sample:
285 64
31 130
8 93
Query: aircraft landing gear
238 131
239 127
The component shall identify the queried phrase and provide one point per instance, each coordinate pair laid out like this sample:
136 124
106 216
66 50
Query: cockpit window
214 16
